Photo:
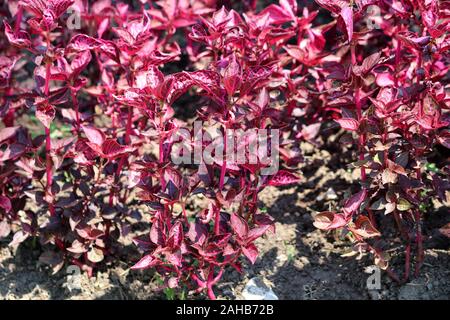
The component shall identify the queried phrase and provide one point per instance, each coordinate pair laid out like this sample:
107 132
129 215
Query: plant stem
223 169
216 219
407 262
419 239
48 148
129 123
73 95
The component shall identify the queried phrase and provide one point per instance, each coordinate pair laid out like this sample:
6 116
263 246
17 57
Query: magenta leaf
20 39
251 252
257 232
347 16
148 261
232 76
45 113
283 178
7 133
354 202
175 235
329 220
5 203
239 226
157 235
197 233
94 135
348 123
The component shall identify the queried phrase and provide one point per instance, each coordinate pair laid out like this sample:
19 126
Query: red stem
419 239
216 221
211 294
129 123
407 262
223 169
73 95
48 147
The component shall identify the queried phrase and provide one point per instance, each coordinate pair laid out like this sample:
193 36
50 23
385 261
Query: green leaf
403 205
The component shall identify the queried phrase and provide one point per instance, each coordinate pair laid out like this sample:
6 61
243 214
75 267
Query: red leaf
146 262
154 78
174 258
251 252
311 131
334 6
7 133
157 233
329 220
58 7
197 233
348 123
265 219
5 203
274 14
45 113
283 178
5 229
20 39
80 61
257 232
414 42
94 135
354 202
347 16
176 85
364 228
82 42
385 80
290 6
175 235
232 76
111 149
239 226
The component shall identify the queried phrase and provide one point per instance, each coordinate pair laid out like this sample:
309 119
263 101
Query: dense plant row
92 103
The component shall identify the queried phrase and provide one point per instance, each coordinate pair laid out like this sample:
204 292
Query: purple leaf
197 233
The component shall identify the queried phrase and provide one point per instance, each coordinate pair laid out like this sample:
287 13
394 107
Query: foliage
120 79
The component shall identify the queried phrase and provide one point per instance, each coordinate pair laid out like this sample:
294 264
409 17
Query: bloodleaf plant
391 88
